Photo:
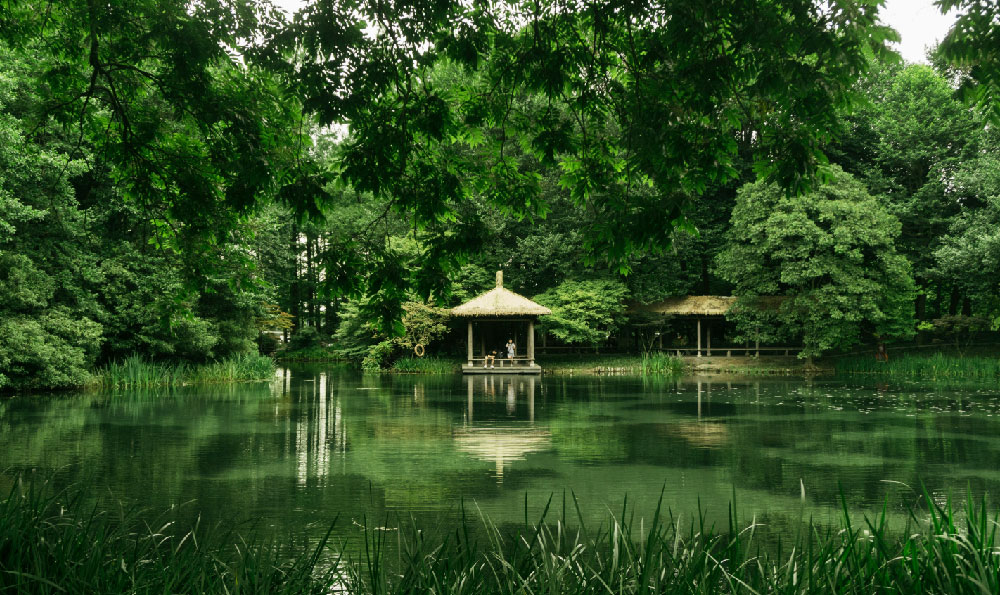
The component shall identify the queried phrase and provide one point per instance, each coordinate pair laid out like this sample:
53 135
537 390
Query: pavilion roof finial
499 278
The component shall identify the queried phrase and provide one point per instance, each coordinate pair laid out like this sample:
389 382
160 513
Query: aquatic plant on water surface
50 541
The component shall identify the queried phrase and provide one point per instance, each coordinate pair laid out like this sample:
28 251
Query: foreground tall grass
136 372
926 367
53 543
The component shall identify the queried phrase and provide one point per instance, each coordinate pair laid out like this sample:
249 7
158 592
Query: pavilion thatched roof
691 305
700 305
500 302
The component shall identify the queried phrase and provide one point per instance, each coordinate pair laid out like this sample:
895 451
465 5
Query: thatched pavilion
698 307
497 315
710 310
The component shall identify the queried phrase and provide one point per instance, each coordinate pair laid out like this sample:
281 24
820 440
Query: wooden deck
520 365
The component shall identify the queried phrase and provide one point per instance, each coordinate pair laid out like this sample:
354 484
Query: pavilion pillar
708 337
531 342
469 350
468 384
699 337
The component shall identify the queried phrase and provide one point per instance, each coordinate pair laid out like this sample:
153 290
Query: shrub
378 356
304 338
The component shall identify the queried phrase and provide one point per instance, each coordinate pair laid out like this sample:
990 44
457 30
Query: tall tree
827 256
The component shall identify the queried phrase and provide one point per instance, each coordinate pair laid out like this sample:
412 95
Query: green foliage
973 239
424 324
929 154
313 354
305 338
51 350
355 334
583 312
830 258
627 113
101 258
971 45
378 356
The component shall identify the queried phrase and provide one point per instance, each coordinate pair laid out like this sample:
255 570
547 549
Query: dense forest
188 181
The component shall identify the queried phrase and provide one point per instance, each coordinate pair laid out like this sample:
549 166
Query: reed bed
137 372
53 543
925 367
424 365
649 364
660 363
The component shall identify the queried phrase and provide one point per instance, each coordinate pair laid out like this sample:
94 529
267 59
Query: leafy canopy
583 312
829 257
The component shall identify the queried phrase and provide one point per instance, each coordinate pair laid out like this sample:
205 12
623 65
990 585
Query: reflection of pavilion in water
704 433
501 441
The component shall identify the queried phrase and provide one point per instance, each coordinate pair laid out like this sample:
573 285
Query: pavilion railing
503 362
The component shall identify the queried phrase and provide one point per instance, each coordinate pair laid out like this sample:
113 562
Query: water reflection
501 441
319 442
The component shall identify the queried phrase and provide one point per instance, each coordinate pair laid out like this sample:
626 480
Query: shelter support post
708 337
469 350
699 337
531 342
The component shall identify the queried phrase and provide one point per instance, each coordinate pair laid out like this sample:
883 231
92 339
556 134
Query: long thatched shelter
692 306
500 310
710 310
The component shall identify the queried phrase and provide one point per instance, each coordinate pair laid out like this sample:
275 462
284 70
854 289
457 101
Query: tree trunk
310 293
294 299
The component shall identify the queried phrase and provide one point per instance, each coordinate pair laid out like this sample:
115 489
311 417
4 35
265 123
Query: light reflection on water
319 442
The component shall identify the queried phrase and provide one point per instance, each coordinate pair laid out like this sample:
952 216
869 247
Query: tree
971 45
909 143
829 255
637 105
87 273
970 252
583 312
194 109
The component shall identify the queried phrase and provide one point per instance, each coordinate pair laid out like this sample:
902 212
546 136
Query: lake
321 443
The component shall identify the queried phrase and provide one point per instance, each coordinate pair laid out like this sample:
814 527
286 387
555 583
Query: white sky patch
920 25
289 6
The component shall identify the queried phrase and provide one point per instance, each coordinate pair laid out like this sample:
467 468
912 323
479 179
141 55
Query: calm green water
318 443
